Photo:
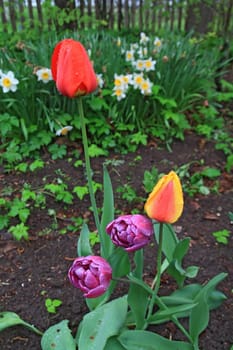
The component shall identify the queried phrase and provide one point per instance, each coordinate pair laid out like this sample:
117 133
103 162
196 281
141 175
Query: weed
127 193
195 183
150 179
221 236
19 231
52 305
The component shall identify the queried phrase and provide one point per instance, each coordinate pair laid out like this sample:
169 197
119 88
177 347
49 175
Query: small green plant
93 238
150 178
60 190
195 183
76 224
80 191
127 193
19 231
221 236
52 305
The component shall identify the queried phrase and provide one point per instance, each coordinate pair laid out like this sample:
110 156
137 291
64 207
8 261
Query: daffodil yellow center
45 76
117 82
138 80
148 64
145 85
118 92
6 82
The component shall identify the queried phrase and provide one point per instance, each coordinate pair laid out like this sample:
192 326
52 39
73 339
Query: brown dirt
41 264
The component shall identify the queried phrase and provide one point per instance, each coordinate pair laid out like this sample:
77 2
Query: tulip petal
165 203
91 274
72 69
131 232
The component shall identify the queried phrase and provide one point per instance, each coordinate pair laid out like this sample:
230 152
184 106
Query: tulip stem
156 285
88 165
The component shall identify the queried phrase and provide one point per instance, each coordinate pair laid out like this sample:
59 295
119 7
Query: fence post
3 16
111 15
39 11
120 15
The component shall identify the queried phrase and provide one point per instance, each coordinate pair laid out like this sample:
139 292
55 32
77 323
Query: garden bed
34 270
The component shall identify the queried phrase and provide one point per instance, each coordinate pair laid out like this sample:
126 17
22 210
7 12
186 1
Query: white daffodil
137 80
146 87
119 81
157 42
119 92
1 72
144 38
149 64
118 41
139 65
127 79
8 82
142 52
44 75
64 131
100 80
129 55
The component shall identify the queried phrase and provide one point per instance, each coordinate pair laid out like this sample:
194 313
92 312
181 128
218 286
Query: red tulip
72 69
165 203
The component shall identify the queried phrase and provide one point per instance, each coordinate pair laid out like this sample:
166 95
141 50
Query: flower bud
72 69
165 203
131 232
91 274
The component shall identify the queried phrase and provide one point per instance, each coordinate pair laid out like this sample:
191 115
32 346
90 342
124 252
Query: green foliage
9 319
60 191
221 236
52 305
59 337
19 231
57 151
96 336
127 193
195 183
150 179
182 81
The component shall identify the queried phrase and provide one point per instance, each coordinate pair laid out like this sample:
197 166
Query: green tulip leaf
101 324
10 319
135 340
114 344
58 337
199 316
165 315
84 248
107 215
170 240
120 263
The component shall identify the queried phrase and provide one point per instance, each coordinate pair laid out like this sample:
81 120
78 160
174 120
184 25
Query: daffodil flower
64 131
8 82
44 75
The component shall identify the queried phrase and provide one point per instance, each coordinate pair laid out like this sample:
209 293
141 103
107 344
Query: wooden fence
144 15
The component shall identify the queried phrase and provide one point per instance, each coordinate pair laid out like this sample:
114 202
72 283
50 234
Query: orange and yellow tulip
72 69
165 203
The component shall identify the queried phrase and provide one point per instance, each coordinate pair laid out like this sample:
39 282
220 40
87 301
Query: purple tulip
91 274
131 232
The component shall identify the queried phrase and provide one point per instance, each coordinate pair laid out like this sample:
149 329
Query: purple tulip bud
131 232
91 274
